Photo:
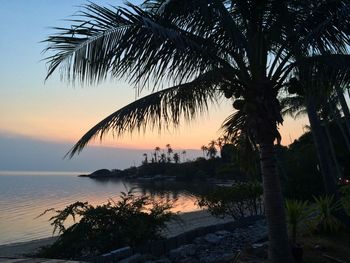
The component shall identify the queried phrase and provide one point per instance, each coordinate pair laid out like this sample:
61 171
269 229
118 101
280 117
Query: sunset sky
56 112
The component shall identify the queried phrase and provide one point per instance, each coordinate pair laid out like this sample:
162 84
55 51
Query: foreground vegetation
130 221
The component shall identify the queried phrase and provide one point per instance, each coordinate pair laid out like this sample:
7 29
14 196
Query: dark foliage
239 200
130 221
298 169
298 165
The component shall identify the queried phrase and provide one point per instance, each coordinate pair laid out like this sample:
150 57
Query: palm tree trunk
322 149
332 150
343 132
344 107
323 152
279 249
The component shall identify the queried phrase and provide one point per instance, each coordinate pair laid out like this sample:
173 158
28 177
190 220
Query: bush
297 212
325 221
130 221
239 200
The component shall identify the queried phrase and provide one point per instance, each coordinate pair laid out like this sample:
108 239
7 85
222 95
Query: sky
34 113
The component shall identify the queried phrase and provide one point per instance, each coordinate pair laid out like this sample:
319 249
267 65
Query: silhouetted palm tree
314 86
156 153
162 158
145 160
204 150
211 149
344 106
176 157
241 49
183 155
220 143
169 152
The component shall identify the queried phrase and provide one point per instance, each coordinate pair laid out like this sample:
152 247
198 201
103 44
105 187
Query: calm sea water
25 195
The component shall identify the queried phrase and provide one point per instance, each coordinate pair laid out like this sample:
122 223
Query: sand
189 221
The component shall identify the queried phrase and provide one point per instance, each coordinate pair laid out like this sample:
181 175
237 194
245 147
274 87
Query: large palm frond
160 109
235 125
132 43
293 106
318 75
318 27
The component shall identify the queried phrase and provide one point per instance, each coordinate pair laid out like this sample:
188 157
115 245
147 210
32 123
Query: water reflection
24 197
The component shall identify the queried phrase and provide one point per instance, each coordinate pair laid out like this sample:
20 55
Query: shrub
239 200
325 221
297 211
130 221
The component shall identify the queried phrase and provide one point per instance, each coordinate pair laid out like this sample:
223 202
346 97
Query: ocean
25 195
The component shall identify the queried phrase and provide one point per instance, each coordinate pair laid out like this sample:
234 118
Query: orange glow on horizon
187 137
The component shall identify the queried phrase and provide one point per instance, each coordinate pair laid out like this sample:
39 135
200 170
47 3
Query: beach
189 221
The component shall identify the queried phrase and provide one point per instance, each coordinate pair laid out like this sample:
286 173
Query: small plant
239 200
297 212
325 222
127 222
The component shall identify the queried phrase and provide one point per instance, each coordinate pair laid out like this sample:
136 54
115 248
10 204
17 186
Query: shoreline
189 221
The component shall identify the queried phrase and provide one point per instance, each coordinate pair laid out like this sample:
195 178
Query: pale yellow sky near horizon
62 113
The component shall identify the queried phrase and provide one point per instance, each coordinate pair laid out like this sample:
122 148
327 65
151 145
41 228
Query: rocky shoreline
217 247
213 244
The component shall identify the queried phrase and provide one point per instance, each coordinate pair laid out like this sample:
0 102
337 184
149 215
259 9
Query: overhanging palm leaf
159 109
131 43
234 125
318 75
293 106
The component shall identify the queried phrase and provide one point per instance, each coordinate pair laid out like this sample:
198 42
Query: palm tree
156 151
162 158
220 143
317 77
183 155
241 49
204 150
344 106
211 149
145 160
169 152
176 157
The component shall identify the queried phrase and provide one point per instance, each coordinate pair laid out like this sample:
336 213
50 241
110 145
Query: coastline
188 221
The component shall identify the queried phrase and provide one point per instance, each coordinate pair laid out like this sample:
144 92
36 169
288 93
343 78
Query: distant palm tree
176 157
212 149
145 160
183 155
204 150
220 142
162 158
156 152
243 50
169 152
